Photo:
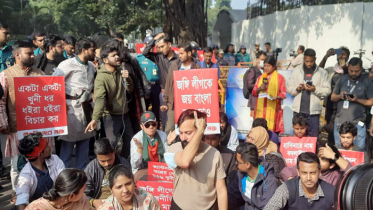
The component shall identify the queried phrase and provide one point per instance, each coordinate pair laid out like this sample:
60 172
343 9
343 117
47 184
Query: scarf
153 151
261 141
270 108
226 134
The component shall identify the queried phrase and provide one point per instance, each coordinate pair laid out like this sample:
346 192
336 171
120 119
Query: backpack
246 91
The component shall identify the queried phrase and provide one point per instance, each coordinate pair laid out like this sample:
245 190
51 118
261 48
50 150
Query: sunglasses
147 125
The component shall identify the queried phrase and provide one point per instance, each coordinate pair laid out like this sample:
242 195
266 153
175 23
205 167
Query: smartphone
338 51
350 95
309 83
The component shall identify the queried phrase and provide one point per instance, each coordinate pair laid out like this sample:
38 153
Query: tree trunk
185 21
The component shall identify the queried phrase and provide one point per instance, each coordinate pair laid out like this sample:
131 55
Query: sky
238 4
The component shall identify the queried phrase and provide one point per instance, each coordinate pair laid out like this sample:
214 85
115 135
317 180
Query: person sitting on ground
300 126
333 166
255 183
125 194
67 193
227 155
272 135
307 191
39 173
229 134
149 144
347 134
98 170
260 138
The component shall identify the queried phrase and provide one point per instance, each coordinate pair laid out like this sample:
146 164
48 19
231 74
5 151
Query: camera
278 50
293 53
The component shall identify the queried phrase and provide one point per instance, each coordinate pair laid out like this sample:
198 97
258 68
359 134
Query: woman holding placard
270 88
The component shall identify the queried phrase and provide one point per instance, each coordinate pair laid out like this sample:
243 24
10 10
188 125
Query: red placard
198 89
354 157
293 146
160 172
176 50
141 46
41 105
162 191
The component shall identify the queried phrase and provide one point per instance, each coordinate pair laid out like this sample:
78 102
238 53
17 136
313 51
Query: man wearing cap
39 173
149 144
242 56
220 59
151 72
255 52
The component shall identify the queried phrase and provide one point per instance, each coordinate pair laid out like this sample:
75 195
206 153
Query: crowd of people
120 115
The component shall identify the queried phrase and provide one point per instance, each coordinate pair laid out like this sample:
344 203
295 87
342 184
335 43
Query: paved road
6 192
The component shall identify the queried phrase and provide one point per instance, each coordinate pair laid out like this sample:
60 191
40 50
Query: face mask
261 64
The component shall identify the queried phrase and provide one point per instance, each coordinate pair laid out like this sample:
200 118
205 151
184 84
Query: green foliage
213 12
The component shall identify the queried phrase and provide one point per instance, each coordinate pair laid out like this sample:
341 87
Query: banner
162 191
354 157
198 89
41 105
293 146
159 172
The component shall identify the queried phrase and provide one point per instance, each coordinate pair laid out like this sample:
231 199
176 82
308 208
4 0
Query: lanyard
351 89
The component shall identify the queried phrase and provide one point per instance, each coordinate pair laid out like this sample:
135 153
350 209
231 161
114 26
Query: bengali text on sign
291 147
162 191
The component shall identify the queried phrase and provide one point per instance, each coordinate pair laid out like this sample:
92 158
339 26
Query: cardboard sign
198 89
162 191
159 172
293 146
354 157
41 105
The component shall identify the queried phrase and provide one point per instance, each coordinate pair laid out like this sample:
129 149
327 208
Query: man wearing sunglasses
149 144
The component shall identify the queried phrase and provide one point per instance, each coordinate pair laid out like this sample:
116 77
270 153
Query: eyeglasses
147 125
238 162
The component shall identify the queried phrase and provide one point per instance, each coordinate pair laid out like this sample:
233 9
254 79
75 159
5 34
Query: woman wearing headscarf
260 138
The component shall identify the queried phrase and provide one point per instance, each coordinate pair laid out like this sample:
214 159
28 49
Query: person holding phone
309 84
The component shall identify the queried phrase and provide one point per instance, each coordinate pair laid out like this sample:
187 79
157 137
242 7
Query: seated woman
125 194
229 136
270 88
333 166
67 194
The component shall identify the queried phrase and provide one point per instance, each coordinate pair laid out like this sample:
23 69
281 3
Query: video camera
293 53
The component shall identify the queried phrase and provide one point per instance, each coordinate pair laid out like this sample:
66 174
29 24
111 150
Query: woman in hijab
260 138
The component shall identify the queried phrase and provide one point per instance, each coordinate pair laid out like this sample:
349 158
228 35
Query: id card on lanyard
350 89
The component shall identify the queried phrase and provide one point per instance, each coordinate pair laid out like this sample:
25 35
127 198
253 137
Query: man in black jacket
98 171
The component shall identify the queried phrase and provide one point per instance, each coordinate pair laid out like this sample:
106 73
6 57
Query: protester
242 55
221 61
347 134
125 194
98 170
306 192
354 94
259 137
185 62
255 183
228 156
229 134
67 193
263 123
269 50
152 75
229 55
333 166
39 173
300 126
79 80
38 41
52 55
298 59
24 60
215 49
199 168
69 47
250 78
254 54
270 88
309 85
149 144
207 60
6 58
335 72
163 59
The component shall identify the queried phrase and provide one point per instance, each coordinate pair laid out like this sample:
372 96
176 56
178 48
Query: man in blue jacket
255 183
207 60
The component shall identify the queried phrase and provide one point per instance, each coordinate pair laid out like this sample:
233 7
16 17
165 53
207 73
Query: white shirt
249 186
233 140
136 158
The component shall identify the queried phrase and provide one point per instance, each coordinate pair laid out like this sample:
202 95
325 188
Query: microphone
124 79
265 80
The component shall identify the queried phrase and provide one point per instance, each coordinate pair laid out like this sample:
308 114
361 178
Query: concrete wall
318 27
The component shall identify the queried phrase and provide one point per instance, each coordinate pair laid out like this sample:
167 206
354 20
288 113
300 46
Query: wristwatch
336 156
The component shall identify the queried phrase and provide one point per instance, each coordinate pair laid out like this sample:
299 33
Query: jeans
154 100
313 122
163 115
360 138
170 120
81 153
118 128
